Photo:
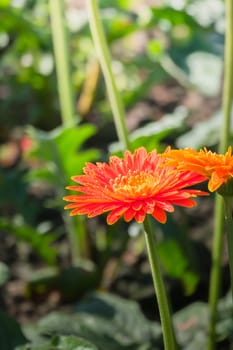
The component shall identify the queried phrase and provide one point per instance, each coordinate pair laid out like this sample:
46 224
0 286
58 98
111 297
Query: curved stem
105 62
215 277
166 321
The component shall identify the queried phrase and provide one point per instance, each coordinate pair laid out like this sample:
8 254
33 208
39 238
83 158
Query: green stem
229 230
228 79
166 321
74 227
60 41
105 62
215 276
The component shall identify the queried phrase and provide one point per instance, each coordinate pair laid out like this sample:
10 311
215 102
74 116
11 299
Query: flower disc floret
132 187
134 184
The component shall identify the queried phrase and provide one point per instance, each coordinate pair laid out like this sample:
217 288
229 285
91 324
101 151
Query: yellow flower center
135 184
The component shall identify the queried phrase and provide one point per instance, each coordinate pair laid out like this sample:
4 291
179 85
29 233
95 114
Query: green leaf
73 343
70 140
62 343
151 134
61 152
173 16
41 243
108 321
10 333
191 324
178 255
224 326
74 163
176 263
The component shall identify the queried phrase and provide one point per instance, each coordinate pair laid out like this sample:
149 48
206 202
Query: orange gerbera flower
218 168
132 187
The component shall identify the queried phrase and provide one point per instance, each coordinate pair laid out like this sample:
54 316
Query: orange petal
160 215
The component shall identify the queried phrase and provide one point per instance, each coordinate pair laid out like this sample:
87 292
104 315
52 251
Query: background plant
155 51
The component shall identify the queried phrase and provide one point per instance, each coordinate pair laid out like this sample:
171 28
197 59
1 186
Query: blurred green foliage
151 46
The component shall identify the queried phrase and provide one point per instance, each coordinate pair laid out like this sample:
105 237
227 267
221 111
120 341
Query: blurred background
167 59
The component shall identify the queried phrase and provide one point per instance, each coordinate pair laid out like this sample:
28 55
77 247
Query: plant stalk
163 304
229 230
75 227
59 35
215 275
101 46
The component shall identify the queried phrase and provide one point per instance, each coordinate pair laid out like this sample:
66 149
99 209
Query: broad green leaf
73 343
191 324
178 254
172 257
108 321
74 163
10 333
69 140
61 153
62 343
173 16
152 133
176 264
224 325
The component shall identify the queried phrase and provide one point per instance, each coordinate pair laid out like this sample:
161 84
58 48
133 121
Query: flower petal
133 186
160 215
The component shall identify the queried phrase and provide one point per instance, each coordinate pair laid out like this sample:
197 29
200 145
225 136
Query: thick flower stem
215 278
229 230
166 321
105 62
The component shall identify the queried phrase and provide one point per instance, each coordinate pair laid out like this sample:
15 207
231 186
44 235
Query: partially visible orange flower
218 168
132 187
